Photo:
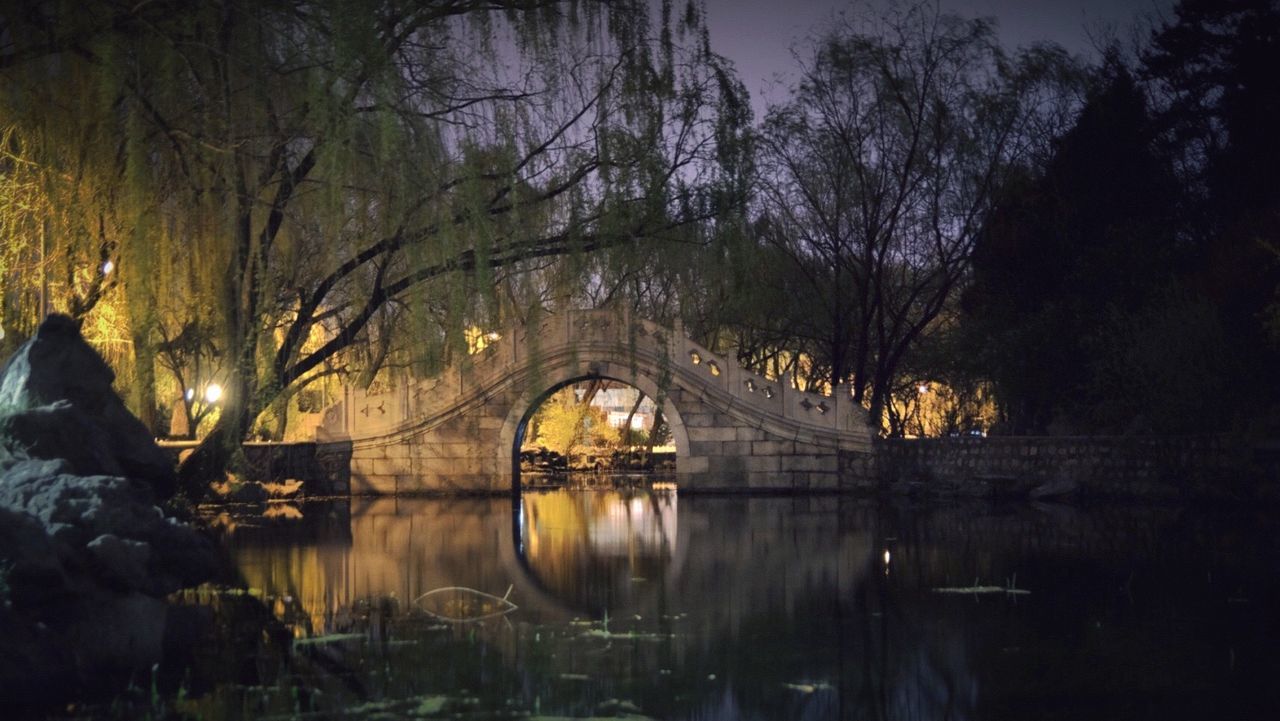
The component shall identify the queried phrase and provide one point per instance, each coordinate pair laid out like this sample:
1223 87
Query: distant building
617 403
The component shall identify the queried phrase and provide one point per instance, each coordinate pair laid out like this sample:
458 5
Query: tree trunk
280 407
144 382
879 398
594 386
626 426
242 401
658 421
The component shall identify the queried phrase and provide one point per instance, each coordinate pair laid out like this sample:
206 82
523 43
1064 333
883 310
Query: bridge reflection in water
564 554
774 607
597 552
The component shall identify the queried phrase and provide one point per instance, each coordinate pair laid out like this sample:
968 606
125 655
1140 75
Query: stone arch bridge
733 430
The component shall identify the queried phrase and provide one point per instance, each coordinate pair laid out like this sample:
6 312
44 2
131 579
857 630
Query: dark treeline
1130 283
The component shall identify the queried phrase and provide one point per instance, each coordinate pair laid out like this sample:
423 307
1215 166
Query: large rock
86 556
85 564
32 570
110 525
60 431
56 391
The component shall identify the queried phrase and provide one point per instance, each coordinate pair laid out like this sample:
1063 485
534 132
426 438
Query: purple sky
757 35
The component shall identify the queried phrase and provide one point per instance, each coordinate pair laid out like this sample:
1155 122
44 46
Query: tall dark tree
1070 257
1213 69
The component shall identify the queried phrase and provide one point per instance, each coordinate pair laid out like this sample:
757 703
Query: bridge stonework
733 430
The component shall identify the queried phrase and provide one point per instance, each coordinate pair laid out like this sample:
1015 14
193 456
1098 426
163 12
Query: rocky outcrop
86 555
56 401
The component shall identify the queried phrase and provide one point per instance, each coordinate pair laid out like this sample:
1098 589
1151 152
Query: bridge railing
591 333
776 396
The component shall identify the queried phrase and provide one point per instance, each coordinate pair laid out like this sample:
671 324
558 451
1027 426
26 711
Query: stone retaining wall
1098 467
1202 467
324 468
454 458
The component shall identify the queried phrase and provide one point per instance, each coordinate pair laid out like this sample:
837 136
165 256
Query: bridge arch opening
631 408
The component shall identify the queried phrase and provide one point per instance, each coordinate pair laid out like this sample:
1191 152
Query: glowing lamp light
190 394
493 336
108 266
923 388
213 392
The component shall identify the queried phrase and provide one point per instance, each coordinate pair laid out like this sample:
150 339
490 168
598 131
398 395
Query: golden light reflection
381 552
580 552
596 551
282 510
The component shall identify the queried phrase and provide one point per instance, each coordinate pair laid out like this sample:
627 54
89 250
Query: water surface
640 604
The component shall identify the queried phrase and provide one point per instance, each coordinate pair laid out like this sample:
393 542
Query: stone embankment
86 555
1111 467
1140 468
324 469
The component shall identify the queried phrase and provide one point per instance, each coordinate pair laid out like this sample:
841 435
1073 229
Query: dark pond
649 605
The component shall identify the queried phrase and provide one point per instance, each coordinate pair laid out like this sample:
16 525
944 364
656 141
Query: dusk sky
758 35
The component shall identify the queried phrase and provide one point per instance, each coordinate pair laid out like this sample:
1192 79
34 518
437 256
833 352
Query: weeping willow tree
313 177
62 218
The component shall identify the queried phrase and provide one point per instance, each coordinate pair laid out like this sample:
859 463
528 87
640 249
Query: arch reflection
600 552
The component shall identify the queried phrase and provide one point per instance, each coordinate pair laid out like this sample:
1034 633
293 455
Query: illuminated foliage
370 175
566 425
930 409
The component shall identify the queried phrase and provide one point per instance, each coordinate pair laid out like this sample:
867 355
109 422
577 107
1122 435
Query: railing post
784 391
345 420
